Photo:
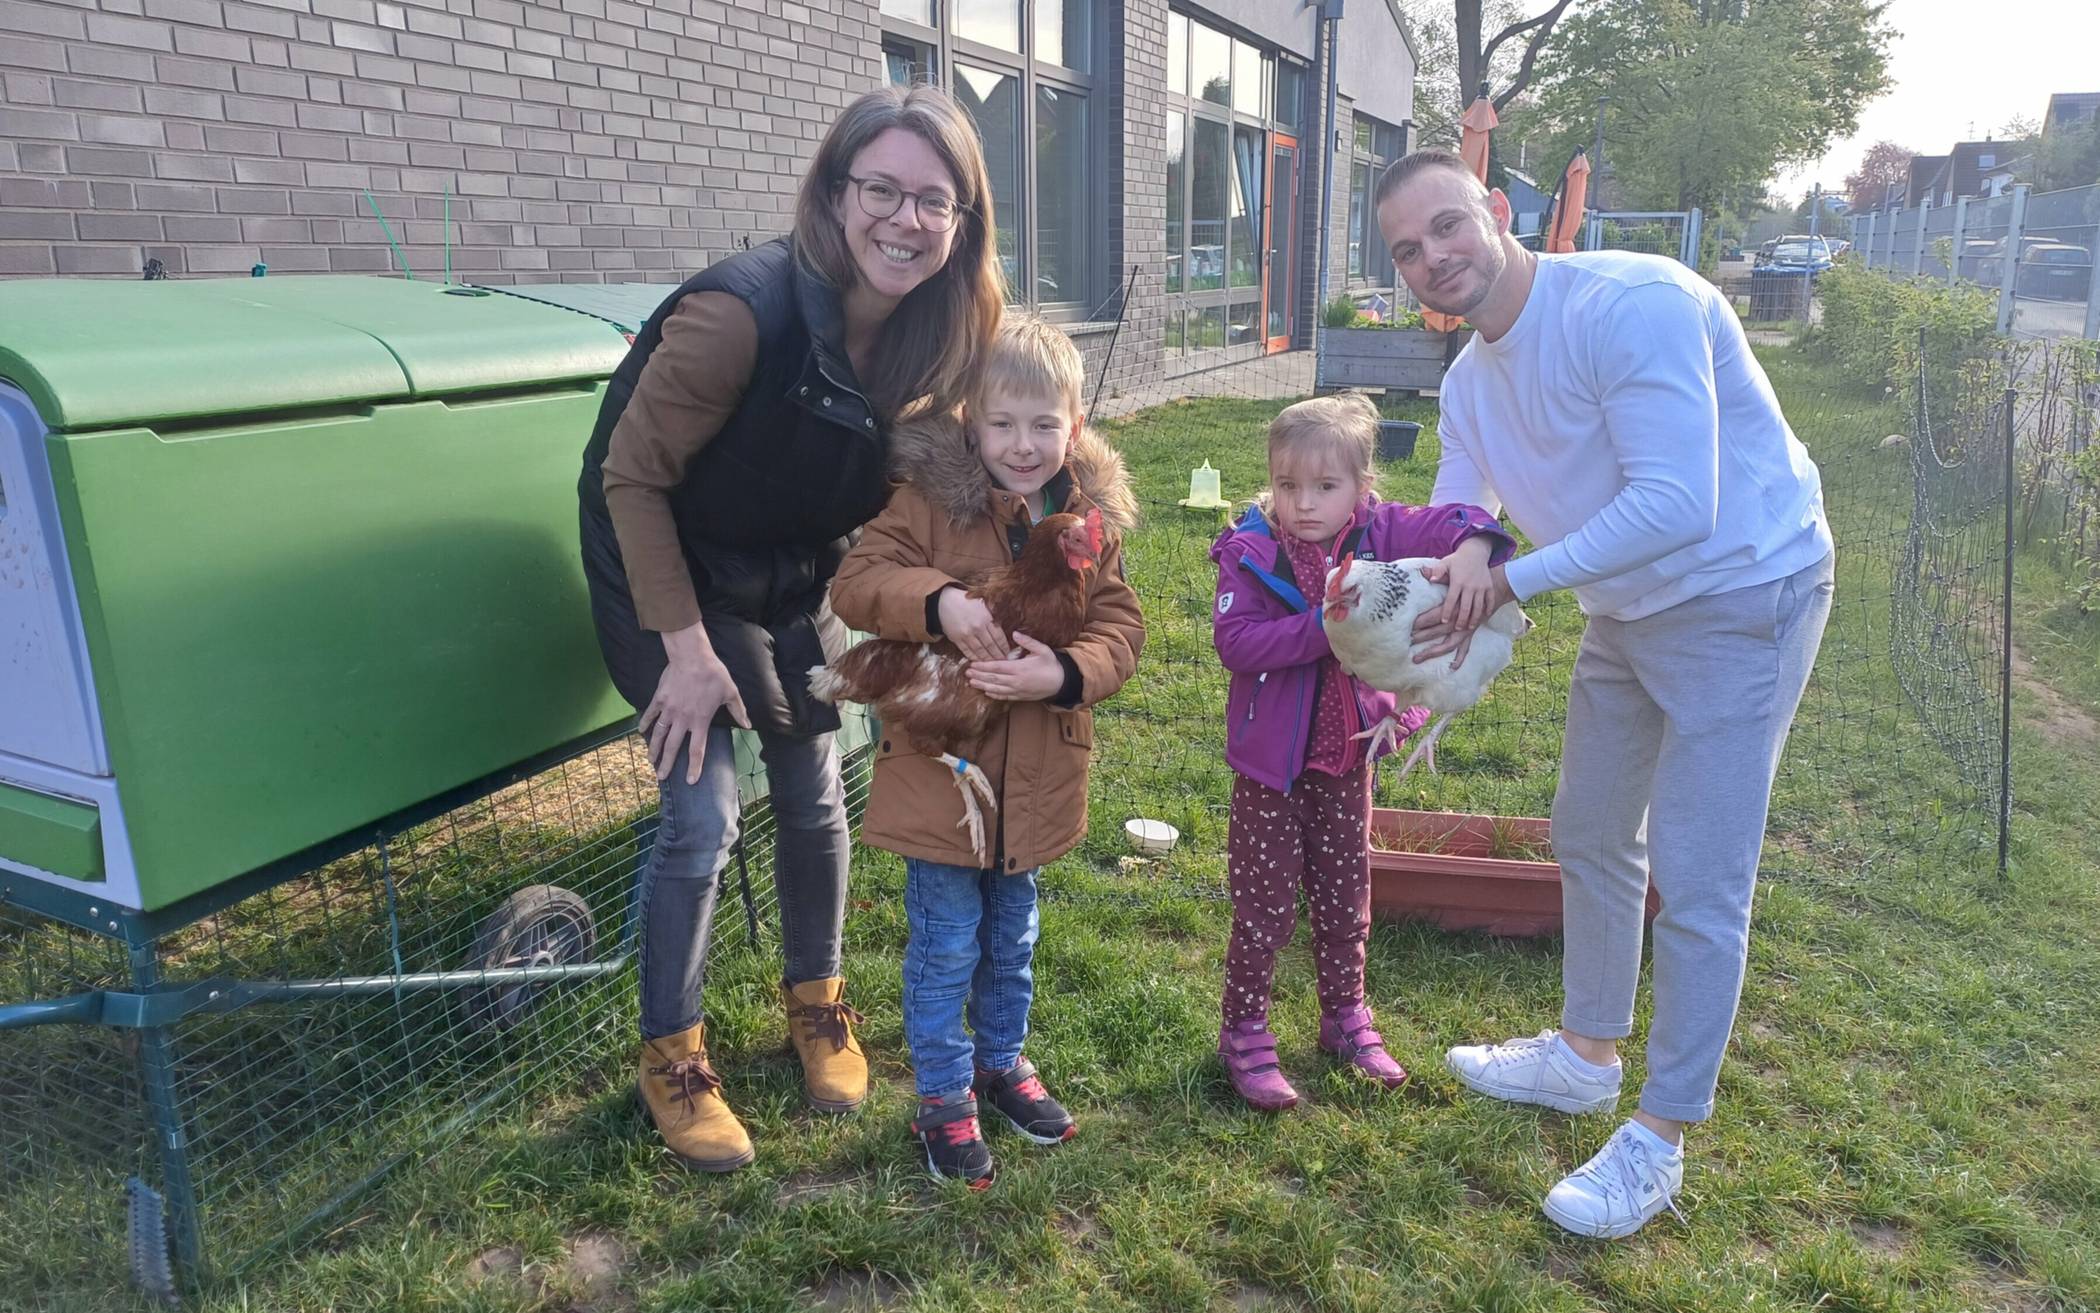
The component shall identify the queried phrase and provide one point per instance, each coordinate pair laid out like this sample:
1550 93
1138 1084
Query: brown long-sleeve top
692 384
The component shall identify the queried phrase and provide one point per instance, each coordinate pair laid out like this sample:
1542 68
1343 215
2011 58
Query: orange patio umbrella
1568 206
1478 124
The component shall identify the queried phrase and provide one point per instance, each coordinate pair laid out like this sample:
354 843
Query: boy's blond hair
1345 424
1033 358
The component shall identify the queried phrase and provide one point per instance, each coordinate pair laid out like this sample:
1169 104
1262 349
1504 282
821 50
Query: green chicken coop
293 639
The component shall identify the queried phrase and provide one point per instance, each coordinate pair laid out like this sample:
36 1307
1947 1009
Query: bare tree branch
1549 18
1531 54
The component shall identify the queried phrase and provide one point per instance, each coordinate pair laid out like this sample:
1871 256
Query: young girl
971 491
1301 799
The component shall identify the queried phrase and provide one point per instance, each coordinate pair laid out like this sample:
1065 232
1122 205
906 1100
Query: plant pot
1396 438
1465 872
1402 359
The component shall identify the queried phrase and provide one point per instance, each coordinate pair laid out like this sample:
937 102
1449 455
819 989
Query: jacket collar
828 372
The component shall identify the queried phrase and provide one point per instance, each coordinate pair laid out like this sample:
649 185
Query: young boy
970 491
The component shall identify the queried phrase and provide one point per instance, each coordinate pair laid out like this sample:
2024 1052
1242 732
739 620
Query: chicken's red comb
1334 580
1093 529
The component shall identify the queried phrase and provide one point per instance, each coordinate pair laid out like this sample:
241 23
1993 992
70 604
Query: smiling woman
741 443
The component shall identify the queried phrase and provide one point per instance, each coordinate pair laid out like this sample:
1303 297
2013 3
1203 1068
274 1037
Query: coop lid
626 305
96 353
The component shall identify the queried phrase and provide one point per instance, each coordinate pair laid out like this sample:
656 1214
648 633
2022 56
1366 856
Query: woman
737 453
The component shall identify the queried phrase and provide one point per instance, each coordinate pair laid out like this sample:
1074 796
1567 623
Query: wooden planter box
1441 867
1401 359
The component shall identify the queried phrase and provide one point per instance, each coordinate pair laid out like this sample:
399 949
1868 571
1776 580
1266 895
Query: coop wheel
541 925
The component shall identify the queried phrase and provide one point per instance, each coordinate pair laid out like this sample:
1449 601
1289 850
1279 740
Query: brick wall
581 141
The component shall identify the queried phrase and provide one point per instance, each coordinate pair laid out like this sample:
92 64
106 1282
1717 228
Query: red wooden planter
1440 867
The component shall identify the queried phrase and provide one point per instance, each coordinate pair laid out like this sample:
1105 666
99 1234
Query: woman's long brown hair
926 356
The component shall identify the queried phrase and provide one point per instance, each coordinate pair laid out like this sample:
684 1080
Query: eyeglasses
880 198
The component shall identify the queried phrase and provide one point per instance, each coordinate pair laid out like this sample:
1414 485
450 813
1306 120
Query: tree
2068 157
1708 98
1453 59
1885 165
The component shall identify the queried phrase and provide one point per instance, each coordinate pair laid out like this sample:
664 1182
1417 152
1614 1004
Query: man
1610 401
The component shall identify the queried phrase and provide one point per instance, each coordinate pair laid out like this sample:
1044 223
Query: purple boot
1248 1051
1348 1035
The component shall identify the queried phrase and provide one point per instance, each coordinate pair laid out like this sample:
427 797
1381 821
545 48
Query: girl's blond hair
926 355
1035 359
1345 424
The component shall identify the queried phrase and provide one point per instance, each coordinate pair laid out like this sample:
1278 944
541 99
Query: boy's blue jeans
972 943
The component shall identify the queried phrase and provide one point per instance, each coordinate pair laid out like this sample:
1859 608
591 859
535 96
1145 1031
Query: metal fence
467 970
2036 248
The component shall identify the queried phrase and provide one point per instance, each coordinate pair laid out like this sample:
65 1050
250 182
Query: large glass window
994 22
1210 61
1177 188
1247 84
1023 73
1178 53
1359 195
1061 35
992 98
1290 96
1062 208
1375 145
1245 207
1210 179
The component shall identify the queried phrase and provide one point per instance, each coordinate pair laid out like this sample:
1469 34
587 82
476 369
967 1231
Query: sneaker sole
1573 1227
981 1183
1566 1103
1029 1135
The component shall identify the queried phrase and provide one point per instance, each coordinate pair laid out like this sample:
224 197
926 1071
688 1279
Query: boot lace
830 1021
691 1077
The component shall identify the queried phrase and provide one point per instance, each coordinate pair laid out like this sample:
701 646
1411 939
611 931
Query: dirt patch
1251 1297
506 1264
854 1292
594 1268
1881 1239
1080 1228
2056 718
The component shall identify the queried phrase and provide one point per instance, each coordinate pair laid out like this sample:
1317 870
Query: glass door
1281 243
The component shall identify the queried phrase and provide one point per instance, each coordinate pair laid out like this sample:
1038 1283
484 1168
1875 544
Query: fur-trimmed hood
937 456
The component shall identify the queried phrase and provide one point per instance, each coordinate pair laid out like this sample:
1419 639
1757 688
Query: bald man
1611 403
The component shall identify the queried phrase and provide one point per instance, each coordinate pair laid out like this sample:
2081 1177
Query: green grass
1908 1114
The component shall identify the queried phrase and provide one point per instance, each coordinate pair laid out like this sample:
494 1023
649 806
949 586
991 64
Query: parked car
1807 255
2055 271
1990 263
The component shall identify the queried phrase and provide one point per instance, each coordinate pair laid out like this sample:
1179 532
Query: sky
1961 69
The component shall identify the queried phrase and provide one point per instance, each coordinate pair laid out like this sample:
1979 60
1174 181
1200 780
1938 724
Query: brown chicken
923 691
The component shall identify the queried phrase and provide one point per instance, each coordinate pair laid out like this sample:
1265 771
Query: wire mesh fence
361 1027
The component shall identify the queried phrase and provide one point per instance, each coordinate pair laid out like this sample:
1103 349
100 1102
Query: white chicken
1371 608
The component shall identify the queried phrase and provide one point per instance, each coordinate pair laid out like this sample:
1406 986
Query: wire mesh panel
1984 230
1651 234
2058 237
1939 243
474 965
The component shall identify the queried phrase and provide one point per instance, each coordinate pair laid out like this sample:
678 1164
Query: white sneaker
1615 1193
1536 1070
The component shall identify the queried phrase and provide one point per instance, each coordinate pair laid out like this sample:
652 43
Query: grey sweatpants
1675 726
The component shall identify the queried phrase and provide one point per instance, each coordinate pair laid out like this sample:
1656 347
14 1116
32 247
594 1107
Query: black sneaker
1019 1097
954 1144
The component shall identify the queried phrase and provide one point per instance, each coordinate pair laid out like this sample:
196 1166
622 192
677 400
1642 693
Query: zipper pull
1259 681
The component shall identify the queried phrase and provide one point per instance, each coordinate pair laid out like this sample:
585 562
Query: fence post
2009 260
2092 290
1917 245
2005 636
1694 224
1961 221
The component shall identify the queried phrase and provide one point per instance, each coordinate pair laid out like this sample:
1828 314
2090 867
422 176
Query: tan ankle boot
683 1096
820 1026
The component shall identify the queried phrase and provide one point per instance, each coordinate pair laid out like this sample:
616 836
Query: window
906 62
1177 210
1228 101
1022 73
994 22
1062 192
1290 96
990 99
1210 57
1375 145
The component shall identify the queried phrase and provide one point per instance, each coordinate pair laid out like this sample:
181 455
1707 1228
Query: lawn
1908 1115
